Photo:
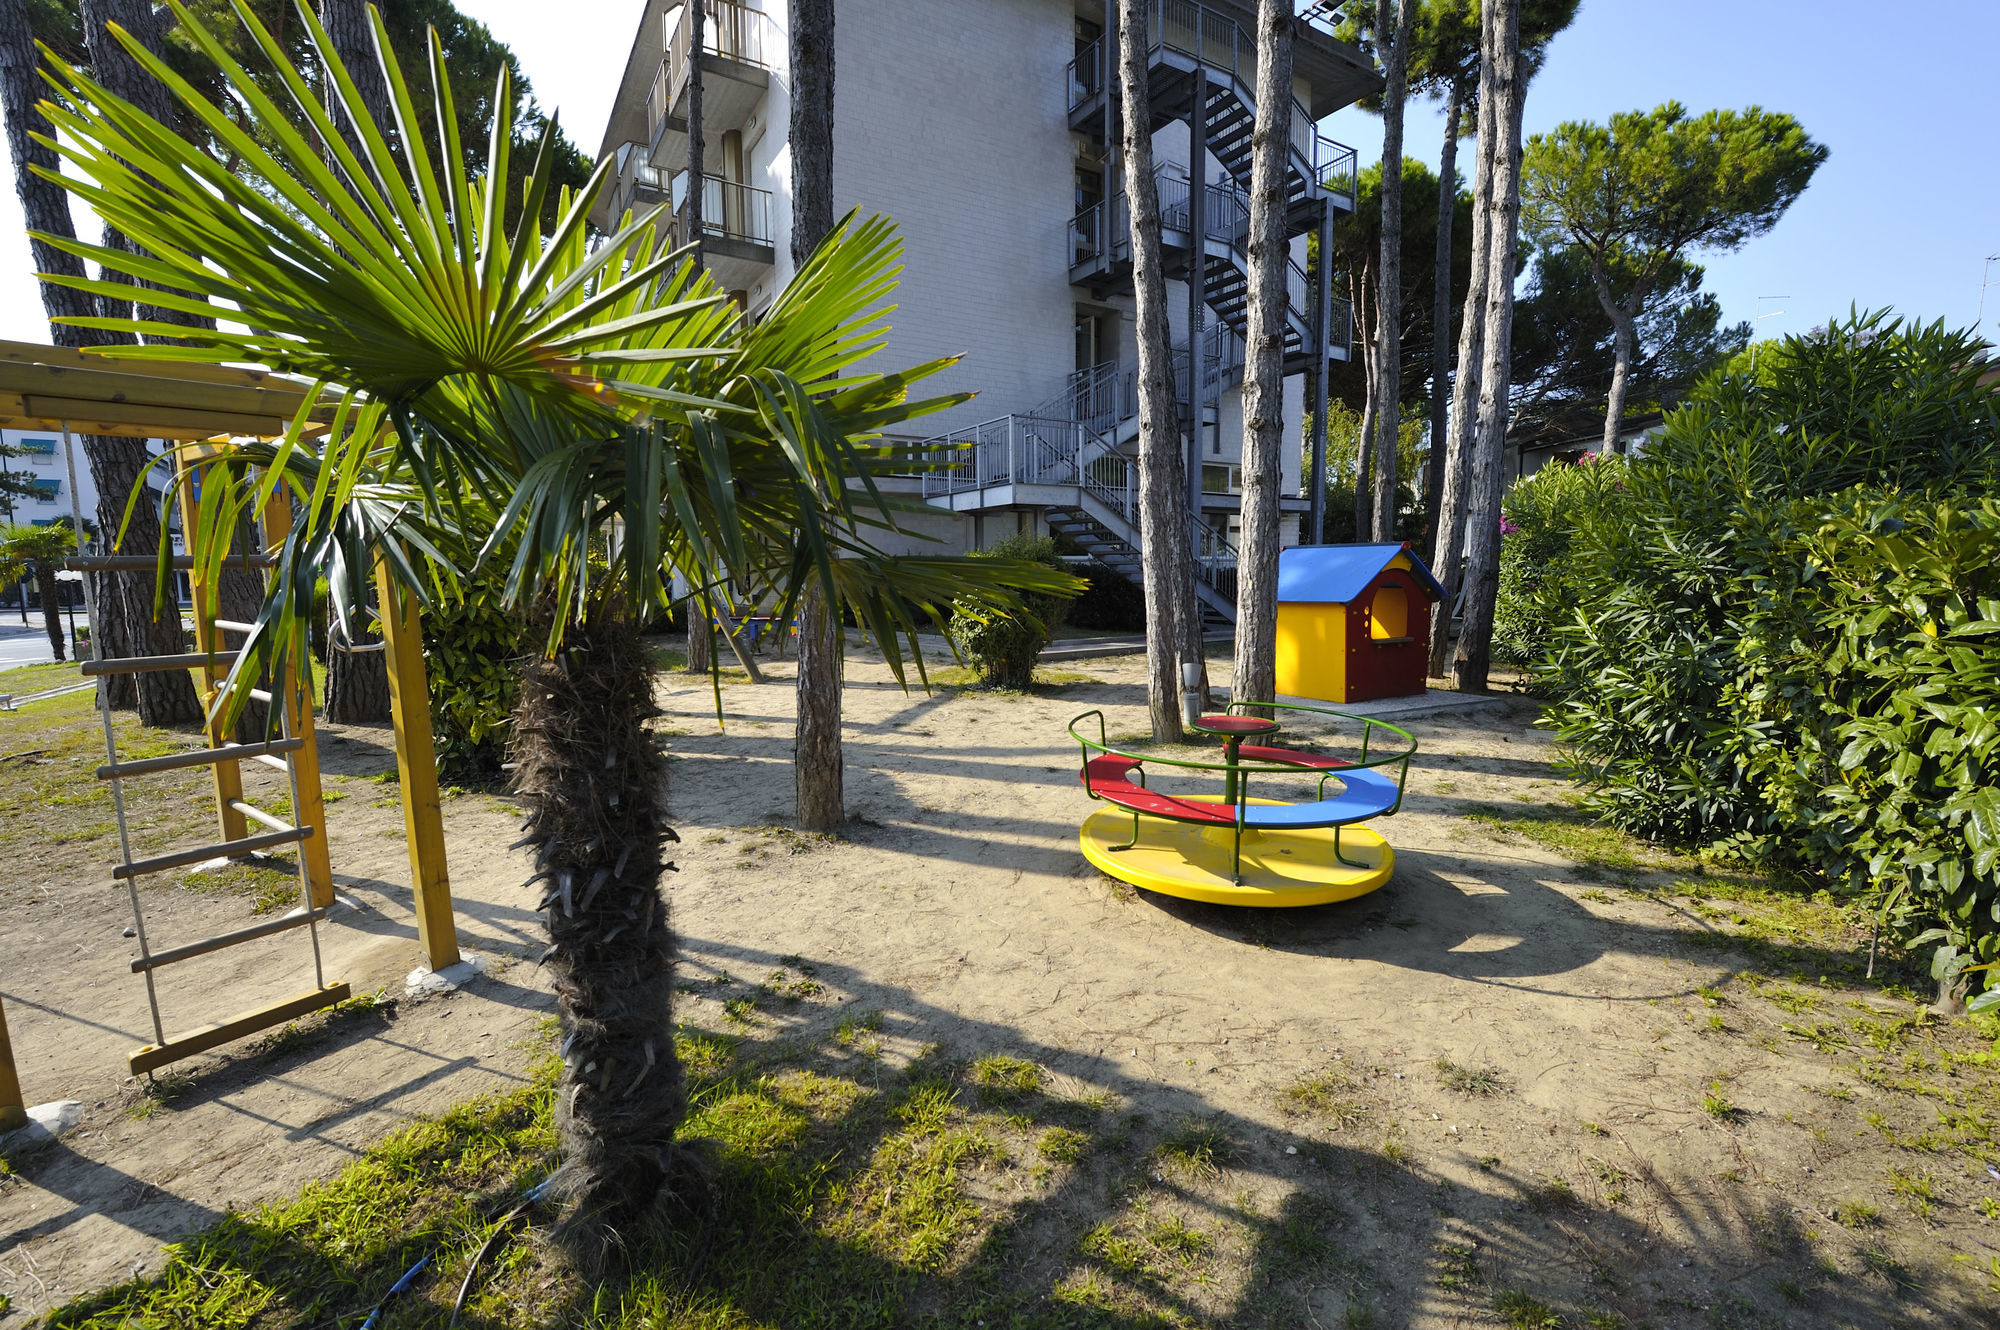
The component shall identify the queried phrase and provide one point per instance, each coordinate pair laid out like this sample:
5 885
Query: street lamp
1761 316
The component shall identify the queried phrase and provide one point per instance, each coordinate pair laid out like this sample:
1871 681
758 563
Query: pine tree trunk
353 36
45 582
591 779
357 682
817 771
1473 654
1255 673
1623 336
1389 281
697 127
1173 631
1452 495
1364 438
124 600
1441 323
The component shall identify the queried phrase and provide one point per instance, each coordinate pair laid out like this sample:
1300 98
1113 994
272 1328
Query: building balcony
738 242
736 74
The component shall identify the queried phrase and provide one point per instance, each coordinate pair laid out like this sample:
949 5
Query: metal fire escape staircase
1071 456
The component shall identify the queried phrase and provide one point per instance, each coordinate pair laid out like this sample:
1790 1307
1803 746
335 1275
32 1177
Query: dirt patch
1544 1077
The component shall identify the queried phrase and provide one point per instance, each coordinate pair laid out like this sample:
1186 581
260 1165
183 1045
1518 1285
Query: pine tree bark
1440 404
1173 632
357 682
1364 438
1255 676
701 637
124 600
697 127
818 760
1623 339
1389 280
588 771
1455 488
1472 657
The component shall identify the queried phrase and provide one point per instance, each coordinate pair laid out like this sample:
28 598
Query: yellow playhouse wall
1312 651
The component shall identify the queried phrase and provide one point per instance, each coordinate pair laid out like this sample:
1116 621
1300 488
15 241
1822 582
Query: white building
42 460
983 128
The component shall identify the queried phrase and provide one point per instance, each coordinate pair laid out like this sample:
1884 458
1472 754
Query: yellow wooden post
298 697
228 776
416 769
13 1113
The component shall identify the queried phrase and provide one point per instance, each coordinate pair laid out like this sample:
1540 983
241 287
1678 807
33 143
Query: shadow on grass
877 1161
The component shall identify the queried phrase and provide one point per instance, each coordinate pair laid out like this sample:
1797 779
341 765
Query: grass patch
1468 1080
1574 835
1002 1079
1326 1096
1196 1147
1523 1311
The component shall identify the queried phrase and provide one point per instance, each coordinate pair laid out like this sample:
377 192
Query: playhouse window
1388 614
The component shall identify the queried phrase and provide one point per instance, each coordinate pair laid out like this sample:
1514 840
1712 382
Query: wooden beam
41 353
151 1057
416 768
298 700
13 1113
110 383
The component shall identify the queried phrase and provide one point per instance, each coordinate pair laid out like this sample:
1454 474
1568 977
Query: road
23 644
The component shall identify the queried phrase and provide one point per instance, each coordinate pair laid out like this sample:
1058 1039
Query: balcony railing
729 210
734 32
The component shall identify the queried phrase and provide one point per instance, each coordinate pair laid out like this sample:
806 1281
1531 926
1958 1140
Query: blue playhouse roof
1336 574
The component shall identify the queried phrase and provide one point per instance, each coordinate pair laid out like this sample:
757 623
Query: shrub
1003 648
1541 583
1778 645
472 657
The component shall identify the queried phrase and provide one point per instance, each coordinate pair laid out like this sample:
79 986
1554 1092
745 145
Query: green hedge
472 657
1003 648
1778 647
1541 541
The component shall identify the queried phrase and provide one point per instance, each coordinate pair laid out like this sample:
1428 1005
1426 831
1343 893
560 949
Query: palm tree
38 551
591 419
1255 675
1173 629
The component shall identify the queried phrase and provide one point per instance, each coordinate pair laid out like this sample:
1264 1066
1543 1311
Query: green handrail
1368 727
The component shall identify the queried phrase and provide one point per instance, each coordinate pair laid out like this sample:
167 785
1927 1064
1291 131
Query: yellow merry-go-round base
1279 868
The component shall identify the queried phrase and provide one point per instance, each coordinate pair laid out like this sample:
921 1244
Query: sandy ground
959 906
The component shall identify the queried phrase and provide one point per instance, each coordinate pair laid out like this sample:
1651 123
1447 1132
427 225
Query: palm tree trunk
124 600
1472 657
1389 315
1173 633
1441 321
45 582
591 779
1465 384
820 802
1255 674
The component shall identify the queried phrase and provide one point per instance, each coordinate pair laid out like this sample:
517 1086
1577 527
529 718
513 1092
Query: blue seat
1368 794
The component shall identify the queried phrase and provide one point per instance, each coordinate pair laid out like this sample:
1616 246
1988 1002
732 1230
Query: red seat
1290 757
1109 778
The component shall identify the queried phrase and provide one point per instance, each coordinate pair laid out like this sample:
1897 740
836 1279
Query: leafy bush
1778 645
472 656
1003 648
1541 583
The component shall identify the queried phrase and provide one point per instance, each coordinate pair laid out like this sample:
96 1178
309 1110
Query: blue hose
403 1285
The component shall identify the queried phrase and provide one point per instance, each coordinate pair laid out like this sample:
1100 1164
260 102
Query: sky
1903 214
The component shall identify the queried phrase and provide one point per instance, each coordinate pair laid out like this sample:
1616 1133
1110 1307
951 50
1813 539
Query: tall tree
1395 55
37 552
357 681
818 777
1173 630
697 127
1638 194
1509 85
124 600
1255 674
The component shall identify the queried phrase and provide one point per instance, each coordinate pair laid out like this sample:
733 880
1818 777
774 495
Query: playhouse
1354 622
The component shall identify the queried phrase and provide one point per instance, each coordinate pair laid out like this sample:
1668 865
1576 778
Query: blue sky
1903 213
1907 206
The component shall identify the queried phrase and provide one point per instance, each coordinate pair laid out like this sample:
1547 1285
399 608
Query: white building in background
44 463
983 128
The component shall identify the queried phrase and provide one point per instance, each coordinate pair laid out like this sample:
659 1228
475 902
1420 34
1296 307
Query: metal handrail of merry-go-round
1242 771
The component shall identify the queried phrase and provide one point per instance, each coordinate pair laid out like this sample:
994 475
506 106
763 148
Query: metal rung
194 660
235 626
270 761
256 814
228 849
259 695
282 924
144 563
199 758
149 1057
